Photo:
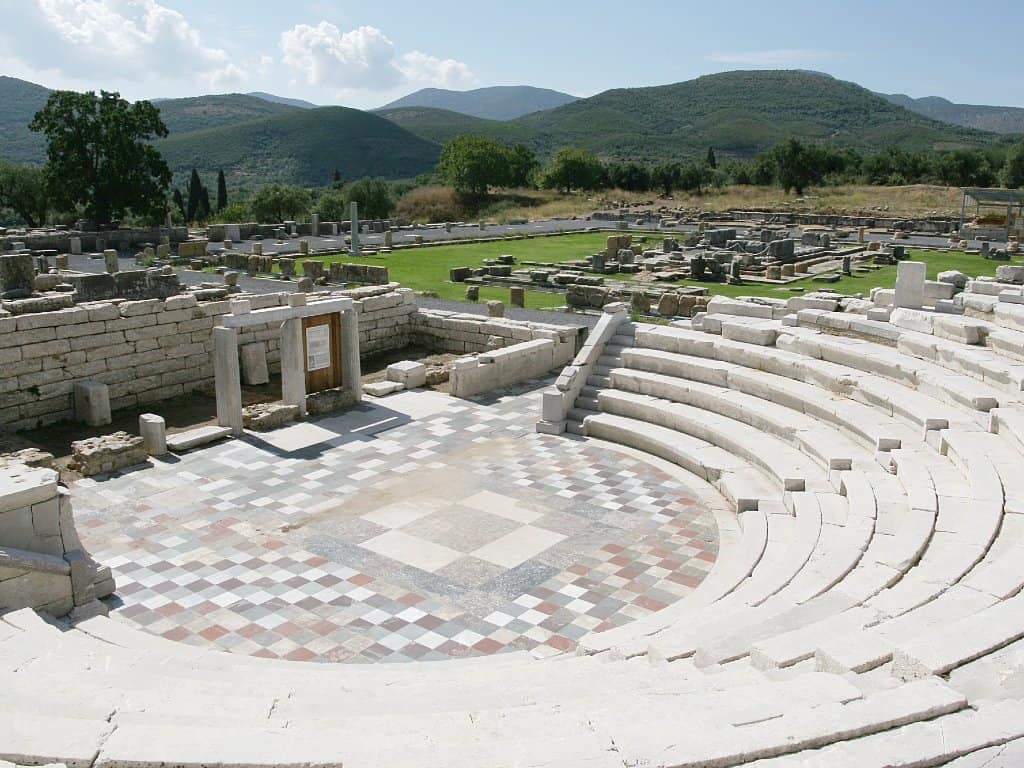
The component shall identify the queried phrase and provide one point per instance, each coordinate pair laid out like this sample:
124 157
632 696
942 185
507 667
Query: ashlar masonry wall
148 351
154 350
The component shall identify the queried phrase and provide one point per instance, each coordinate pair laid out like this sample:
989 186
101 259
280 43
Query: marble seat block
409 373
254 363
92 403
910 277
153 430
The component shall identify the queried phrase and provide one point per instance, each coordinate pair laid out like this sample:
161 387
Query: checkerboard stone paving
413 527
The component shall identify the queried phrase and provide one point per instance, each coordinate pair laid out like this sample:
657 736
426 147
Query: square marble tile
412 550
518 546
503 506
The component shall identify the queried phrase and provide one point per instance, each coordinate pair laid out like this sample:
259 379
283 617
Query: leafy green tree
573 168
794 169
473 164
1013 170
522 165
23 190
100 155
964 168
692 177
665 177
374 198
222 191
278 202
711 161
631 177
332 205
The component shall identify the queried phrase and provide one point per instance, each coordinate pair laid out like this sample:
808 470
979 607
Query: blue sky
364 54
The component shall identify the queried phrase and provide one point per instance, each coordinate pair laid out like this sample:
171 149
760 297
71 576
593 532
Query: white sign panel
318 347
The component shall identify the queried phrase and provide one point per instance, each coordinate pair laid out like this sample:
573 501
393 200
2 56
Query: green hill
202 112
21 100
984 118
301 146
737 113
502 102
440 125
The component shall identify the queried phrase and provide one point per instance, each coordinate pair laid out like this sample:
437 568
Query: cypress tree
195 190
222 191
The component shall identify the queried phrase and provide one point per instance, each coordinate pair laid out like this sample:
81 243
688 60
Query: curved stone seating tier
865 609
84 701
926 547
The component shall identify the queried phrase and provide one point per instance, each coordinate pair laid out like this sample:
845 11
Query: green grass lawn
426 269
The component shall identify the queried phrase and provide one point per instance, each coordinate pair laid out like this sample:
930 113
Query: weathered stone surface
106 453
17 275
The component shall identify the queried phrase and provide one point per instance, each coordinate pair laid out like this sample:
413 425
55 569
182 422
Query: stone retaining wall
153 350
120 239
148 351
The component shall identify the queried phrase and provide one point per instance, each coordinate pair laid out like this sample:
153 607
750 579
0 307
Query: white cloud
424 69
779 57
363 59
136 38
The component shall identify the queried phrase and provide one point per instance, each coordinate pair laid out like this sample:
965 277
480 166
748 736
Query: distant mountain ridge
737 113
984 118
288 102
257 139
500 102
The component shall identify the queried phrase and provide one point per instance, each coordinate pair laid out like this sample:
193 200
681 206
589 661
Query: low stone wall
153 350
120 239
42 563
463 333
504 367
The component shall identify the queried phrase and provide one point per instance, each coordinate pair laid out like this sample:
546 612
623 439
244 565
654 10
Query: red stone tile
613 548
263 653
316 561
177 634
649 603
360 579
620 560
250 630
561 643
488 645
682 578
579 570
170 609
708 557
410 598
546 607
213 633
300 654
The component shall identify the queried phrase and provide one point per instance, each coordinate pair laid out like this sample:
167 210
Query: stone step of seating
801 730
979 731
974 543
982 363
922 375
793 470
875 391
872 645
734 637
777 720
743 484
838 553
960 642
820 441
792 540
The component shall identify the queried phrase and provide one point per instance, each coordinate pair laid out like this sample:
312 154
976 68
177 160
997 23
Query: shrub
429 204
